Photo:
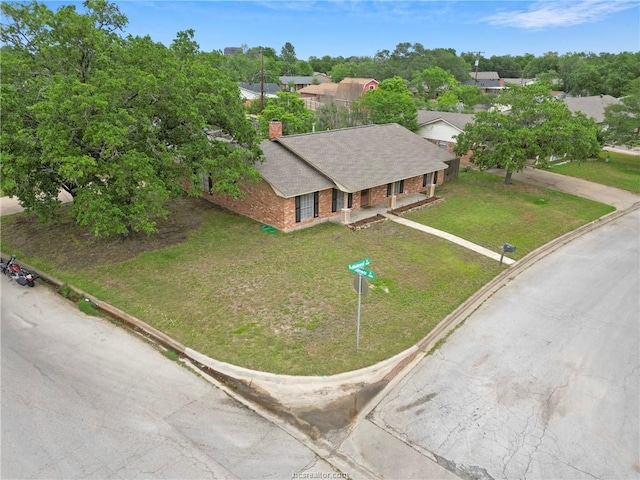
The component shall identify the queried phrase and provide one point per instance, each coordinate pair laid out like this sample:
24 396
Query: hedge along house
316 177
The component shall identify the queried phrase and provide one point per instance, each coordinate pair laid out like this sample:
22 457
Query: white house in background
441 129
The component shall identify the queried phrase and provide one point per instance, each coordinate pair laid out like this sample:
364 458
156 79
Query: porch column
392 201
345 215
431 190
346 211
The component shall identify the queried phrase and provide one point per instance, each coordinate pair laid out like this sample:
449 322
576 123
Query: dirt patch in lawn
65 243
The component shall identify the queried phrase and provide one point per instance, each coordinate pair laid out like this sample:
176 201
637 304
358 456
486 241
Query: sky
364 27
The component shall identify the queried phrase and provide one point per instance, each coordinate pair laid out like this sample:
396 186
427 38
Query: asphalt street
85 399
541 382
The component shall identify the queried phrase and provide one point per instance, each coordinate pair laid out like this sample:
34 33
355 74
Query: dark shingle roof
353 158
287 174
257 88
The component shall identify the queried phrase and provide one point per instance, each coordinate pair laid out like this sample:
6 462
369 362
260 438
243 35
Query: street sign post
360 264
361 287
364 273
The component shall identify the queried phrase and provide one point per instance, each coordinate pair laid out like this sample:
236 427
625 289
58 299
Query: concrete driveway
11 205
541 382
620 199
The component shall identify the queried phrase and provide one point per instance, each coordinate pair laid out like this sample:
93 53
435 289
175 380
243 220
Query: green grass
286 303
622 171
87 307
480 208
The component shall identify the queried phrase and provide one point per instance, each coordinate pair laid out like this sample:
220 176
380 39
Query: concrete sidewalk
452 238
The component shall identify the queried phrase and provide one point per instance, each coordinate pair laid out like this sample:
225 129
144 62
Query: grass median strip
286 303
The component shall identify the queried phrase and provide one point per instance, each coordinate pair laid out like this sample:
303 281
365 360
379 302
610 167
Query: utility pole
476 63
261 79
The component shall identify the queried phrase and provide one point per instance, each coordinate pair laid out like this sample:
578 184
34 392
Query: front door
364 198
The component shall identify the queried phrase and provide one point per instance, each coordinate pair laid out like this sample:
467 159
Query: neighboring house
297 82
316 95
591 106
487 82
521 82
441 128
253 91
351 88
344 92
316 177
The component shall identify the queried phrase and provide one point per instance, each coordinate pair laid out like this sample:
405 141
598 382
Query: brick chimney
275 129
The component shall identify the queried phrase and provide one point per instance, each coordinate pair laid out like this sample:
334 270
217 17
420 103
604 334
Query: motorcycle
17 273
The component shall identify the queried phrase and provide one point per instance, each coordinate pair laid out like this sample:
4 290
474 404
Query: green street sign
360 264
364 273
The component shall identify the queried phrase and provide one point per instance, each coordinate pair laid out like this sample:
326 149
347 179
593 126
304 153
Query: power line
476 63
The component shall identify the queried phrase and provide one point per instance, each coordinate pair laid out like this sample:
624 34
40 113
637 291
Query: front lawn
622 171
480 208
286 303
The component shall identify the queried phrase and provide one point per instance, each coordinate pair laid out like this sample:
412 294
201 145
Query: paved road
82 398
541 382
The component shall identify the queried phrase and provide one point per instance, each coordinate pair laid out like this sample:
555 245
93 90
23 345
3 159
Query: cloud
544 14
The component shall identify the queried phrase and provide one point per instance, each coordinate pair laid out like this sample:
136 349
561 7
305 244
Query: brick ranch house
315 177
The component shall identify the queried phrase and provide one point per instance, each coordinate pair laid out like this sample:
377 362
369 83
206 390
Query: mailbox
508 248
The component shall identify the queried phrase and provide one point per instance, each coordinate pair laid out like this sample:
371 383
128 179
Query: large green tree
623 120
391 102
433 81
536 126
121 123
290 109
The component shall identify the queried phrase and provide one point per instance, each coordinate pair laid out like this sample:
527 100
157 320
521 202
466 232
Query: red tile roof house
324 176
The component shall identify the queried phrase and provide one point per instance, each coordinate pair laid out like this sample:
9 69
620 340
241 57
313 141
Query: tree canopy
121 123
536 126
623 120
391 102
291 110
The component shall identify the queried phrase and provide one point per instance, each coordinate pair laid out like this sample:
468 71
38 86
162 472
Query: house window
426 179
306 206
337 200
396 187
442 144
372 87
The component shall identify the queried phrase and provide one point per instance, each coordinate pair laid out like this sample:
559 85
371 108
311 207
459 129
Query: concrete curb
317 391
289 390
